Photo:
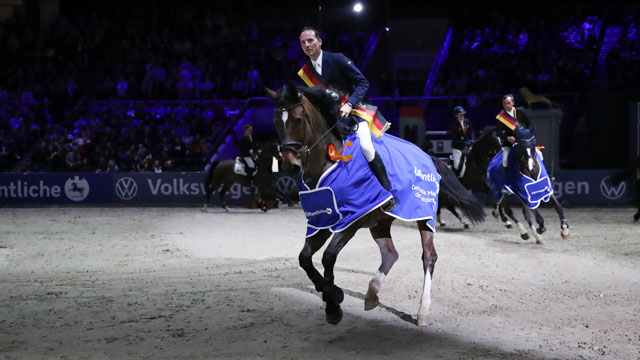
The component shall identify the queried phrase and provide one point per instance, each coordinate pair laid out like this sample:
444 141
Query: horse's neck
317 163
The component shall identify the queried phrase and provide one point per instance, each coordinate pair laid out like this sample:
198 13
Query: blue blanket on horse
349 190
532 191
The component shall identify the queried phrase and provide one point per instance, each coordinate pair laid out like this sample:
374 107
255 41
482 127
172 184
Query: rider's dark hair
315 31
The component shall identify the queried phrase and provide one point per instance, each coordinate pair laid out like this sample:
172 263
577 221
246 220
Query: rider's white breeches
457 155
364 134
505 155
249 161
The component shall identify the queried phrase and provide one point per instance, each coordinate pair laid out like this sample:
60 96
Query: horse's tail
457 194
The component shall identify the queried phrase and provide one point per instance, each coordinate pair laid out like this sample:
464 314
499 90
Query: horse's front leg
331 293
452 209
429 258
527 212
311 246
564 224
382 235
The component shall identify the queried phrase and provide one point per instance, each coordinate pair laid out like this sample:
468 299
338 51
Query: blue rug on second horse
532 191
350 190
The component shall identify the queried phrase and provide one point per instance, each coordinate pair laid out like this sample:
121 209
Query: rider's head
311 42
248 129
507 102
459 112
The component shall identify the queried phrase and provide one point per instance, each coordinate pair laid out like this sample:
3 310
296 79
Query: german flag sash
377 123
508 120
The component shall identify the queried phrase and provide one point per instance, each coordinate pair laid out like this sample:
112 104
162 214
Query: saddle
240 168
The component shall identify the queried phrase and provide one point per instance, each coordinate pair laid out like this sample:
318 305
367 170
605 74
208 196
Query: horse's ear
272 94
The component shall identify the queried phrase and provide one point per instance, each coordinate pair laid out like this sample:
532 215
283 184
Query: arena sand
176 283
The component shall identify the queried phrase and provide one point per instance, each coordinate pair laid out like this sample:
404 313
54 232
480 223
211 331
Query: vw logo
286 184
610 191
126 188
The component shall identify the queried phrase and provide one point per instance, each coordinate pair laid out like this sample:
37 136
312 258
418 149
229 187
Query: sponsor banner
591 187
572 187
133 189
54 188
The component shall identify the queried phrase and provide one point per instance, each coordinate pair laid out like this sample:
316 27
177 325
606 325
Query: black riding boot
505 173
379 170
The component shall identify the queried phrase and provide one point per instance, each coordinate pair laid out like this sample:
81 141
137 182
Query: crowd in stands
109 137
623 61
545 55
64 90
52 84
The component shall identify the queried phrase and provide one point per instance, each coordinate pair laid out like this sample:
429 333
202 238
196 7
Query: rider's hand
345 109
511 139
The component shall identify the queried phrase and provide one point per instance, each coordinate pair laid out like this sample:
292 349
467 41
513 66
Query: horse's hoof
333 314
524 236
636 216
541 230
564 236
423 320
371 302
264 208
508 226
539 242
443 224
494 213
466 226
204 208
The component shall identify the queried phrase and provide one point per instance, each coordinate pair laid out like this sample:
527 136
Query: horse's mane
325 101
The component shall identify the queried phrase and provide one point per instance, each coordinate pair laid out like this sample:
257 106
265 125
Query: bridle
299 149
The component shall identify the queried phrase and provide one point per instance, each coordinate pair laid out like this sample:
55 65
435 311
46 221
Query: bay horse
221 176
528 180
305 120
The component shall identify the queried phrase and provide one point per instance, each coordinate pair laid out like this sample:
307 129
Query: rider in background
246 147
339 73
462 138
509 119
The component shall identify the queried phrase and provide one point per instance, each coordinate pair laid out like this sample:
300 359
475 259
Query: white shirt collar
317 64
510 112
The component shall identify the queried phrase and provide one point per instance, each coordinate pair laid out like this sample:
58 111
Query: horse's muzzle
291 161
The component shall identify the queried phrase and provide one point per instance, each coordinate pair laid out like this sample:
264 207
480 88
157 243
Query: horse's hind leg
311 246
429 258
382 235
332 294
221 194
452 209
499 211
439 218
524 235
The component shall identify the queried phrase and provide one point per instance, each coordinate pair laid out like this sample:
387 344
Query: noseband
299 149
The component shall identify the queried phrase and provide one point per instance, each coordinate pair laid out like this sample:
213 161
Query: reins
301 150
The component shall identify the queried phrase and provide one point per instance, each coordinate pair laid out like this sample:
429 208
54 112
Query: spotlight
357 7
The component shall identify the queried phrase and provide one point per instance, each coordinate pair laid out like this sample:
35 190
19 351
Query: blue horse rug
532 191
348 190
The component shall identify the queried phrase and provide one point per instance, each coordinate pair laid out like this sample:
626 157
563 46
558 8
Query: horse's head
525 147
301 127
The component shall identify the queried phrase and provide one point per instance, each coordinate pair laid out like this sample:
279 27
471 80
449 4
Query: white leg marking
425 301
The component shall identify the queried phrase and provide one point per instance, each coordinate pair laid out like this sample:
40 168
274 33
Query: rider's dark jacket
460 138
504 132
